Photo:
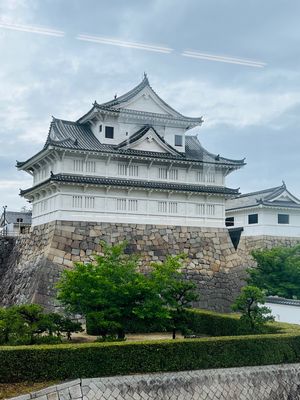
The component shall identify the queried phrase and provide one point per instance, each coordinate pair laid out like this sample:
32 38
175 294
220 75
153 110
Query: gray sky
58 56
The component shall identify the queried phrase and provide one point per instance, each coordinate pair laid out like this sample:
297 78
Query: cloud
230 105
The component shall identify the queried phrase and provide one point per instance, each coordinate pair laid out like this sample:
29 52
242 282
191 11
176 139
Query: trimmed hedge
67 361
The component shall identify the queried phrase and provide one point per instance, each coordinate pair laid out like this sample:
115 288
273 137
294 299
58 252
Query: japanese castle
129 160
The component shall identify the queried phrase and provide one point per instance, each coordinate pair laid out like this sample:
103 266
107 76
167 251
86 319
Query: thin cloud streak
32 29
122 43
224 59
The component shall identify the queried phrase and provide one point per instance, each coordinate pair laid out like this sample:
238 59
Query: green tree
111 291
250 304
176 293
113 295
277 271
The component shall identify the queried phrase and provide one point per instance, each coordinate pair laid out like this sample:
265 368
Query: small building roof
12 217
282 301
277 197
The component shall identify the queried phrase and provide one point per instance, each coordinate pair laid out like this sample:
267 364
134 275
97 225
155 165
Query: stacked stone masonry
37 259
260 383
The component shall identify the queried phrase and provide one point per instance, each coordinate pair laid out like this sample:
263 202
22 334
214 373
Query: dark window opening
229 221
100 128
19 219
109 132
252 219
283 219
178 140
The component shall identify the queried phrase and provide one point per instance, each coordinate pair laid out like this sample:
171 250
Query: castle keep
128 170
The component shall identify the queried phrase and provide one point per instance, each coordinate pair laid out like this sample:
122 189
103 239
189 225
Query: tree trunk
174 333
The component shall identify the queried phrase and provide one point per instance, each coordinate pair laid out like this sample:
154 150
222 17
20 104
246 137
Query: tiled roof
81 179
266 197
12 217
283 301
72 135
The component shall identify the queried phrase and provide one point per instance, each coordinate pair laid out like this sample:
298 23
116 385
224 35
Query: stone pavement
273 382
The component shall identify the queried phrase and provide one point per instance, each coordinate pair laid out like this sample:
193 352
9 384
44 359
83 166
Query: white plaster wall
145 172
185 209
285 313
267 222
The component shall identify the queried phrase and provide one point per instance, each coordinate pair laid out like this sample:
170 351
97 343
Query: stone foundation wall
6 247
273 382
213 264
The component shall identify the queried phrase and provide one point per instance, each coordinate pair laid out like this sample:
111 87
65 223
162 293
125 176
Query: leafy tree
111 290
277 271
26 323
175 292
112 294
248 303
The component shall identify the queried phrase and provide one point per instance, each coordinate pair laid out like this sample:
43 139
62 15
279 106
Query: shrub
66 361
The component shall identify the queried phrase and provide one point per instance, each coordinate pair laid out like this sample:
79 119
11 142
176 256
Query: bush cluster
65 361
28 324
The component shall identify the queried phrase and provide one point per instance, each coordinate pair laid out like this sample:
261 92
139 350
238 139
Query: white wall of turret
92 203
205 174
266 221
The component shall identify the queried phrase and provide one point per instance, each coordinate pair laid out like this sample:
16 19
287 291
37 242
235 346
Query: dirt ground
83 337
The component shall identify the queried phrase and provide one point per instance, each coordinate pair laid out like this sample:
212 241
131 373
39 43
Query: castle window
19 219
163 173
173 174
173 207
200 176
210 177
200 209
252 219
229 221
100 128
77 201
283 219
132 205
109 132
133 170
78 165
162 206
122 169
90 166
211 209
178 140
89 202
121 204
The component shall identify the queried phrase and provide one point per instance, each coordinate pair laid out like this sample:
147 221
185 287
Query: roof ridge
260 191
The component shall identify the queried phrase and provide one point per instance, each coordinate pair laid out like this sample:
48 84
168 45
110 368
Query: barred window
162 206
173 208
77 202
210 209
210 177
173 174
132 205
89 202
121 204
122 169
163 173
133 170
90 166
200 209
200 176
78 165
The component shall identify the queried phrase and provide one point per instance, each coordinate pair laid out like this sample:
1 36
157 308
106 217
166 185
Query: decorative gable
147 139
285 197
148 101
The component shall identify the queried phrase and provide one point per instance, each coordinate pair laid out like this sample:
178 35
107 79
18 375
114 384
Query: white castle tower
128 160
